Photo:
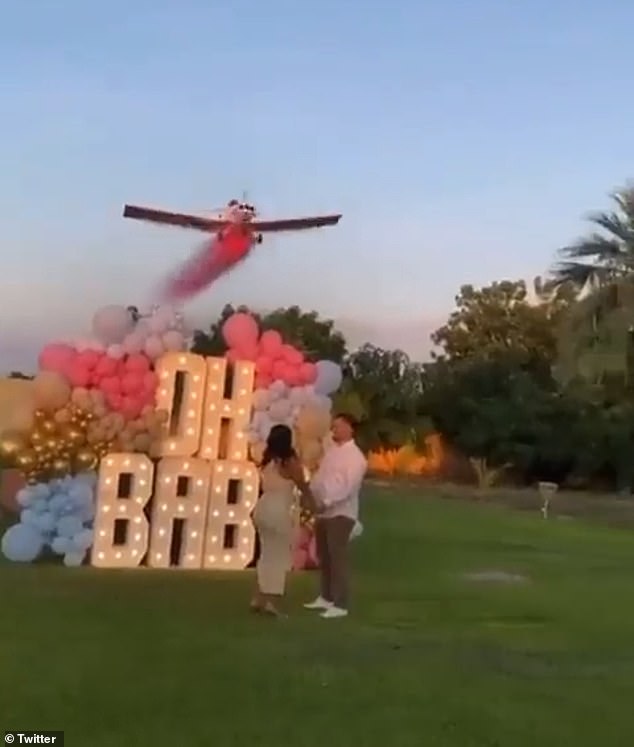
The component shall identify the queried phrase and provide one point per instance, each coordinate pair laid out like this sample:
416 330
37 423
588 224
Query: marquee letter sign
192 508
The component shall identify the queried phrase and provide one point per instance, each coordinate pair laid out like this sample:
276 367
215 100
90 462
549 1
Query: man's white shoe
319 604
333 612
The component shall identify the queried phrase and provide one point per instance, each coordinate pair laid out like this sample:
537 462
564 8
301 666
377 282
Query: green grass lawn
428 658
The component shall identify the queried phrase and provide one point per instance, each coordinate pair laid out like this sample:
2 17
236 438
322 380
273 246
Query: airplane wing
172 219
295 224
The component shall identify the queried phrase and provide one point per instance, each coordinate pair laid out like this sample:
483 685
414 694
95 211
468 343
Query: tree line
528 383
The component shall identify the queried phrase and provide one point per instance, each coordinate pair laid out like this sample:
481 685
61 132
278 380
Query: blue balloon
39 505
81 493
60 545
83 540
87 513
68 526
42 490
25 496
87 478
28 516
57 502
74 559
22 543
46 521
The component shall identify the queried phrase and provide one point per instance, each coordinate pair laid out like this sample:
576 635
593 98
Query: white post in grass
546 490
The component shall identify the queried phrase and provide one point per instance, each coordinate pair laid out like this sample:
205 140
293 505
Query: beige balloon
313 422
22 417
80 396
142 442
51 391
311 452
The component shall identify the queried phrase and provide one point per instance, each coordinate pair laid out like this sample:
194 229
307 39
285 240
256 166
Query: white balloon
261 399
278 389
329 377
115 351
280 410
134 342
259 416
173 340
323 402
265 427
111 324
297 395
253 435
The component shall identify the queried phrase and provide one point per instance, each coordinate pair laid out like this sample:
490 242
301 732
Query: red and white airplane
236 230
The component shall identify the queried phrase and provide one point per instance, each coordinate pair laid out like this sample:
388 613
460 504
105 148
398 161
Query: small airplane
236 231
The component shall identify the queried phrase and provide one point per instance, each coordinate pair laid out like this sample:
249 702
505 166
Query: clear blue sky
462 140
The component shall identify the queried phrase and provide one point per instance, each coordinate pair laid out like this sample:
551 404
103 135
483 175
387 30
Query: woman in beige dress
274 517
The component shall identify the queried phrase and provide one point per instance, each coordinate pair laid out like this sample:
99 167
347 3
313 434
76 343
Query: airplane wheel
259 239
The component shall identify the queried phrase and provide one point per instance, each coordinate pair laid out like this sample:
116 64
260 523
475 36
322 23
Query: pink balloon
293 376
300 559
89 358
138 362
232 356
239 330
246 352
271 343
150 382
110 385
106 366
291 355
78 375
263 365
262 381
294 357
308 372
56 357
279 370
132 383
313 557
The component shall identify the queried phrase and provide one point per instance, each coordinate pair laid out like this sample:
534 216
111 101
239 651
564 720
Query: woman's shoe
272 611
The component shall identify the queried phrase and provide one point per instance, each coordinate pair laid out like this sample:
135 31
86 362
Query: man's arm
336 486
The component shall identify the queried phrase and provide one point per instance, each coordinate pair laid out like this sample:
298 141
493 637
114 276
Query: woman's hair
279 445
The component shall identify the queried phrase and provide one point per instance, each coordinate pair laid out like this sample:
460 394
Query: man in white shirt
335 487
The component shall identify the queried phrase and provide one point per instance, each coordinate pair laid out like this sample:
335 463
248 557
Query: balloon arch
98 395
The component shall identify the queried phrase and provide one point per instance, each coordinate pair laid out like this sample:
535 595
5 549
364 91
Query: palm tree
596 338
607 255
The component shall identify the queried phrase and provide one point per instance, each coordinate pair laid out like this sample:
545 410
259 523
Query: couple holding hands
332 495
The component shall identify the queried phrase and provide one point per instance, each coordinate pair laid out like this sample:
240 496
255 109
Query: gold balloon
48 426
37 437
60 467
26 460
12 443
72 435
52 444
85 459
